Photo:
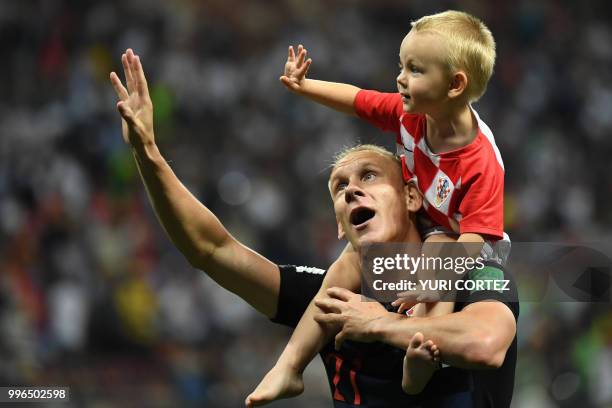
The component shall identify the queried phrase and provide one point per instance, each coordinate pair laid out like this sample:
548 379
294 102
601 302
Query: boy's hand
296 69
134 104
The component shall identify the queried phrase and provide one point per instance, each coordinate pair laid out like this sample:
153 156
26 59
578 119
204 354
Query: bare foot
421 360
277 384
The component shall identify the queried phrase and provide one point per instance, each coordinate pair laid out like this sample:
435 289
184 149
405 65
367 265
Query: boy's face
424 80
370 199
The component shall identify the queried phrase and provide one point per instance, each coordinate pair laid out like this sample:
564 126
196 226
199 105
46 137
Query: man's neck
451 130
412 236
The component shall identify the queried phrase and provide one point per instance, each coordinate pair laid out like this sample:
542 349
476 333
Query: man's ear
458 84
414 199
341 233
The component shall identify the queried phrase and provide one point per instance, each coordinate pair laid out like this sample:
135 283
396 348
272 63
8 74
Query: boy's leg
285 378
420 362
433 308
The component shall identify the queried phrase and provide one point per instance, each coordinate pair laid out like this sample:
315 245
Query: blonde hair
348 151
470 43
343 154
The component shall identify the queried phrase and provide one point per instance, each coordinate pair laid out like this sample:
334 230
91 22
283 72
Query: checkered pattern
463 188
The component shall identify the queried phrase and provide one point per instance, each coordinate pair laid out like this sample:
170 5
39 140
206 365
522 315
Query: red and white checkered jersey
463 189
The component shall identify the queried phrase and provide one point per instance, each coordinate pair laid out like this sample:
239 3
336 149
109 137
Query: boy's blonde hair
470 43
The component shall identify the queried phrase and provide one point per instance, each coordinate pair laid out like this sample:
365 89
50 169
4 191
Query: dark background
94 296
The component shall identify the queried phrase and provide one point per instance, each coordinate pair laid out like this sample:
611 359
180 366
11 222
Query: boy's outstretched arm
192 227
335 95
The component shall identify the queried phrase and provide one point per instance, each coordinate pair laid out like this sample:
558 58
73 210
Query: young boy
446 61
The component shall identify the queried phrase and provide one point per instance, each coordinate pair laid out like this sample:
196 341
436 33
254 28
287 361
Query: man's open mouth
361 215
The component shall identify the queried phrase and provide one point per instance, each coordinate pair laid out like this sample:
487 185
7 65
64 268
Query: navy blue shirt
369 375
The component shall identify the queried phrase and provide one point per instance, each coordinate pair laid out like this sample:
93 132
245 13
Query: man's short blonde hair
349 151
470 44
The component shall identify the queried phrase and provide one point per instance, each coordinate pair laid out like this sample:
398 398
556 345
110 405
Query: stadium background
94 296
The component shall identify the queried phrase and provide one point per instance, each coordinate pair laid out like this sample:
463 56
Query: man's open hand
134 104
296 69
349 311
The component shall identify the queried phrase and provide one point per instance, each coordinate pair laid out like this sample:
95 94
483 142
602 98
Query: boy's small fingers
304 68
408 296
291 54
301 57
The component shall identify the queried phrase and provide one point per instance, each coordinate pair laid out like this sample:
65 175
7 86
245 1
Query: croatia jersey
463 189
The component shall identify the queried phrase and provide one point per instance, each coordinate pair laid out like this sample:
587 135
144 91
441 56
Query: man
479 335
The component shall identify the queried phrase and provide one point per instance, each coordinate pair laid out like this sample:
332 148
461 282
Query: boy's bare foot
421 360
277 384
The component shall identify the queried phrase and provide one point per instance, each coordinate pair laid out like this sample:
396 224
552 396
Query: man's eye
340 187
369 176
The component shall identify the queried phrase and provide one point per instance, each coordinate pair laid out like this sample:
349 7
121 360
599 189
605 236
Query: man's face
369 199
423 80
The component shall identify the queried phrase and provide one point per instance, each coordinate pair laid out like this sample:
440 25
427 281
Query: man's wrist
146 152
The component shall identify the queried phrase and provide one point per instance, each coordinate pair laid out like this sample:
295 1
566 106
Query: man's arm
192 227
476 337
338 96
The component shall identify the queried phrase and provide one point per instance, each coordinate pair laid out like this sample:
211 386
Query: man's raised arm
192 227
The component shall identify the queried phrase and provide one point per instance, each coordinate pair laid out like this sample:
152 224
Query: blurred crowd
92 293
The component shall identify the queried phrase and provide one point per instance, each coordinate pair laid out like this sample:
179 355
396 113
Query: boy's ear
414 199
458 84
341 233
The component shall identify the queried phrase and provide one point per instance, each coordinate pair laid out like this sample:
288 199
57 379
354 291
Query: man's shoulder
489 284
